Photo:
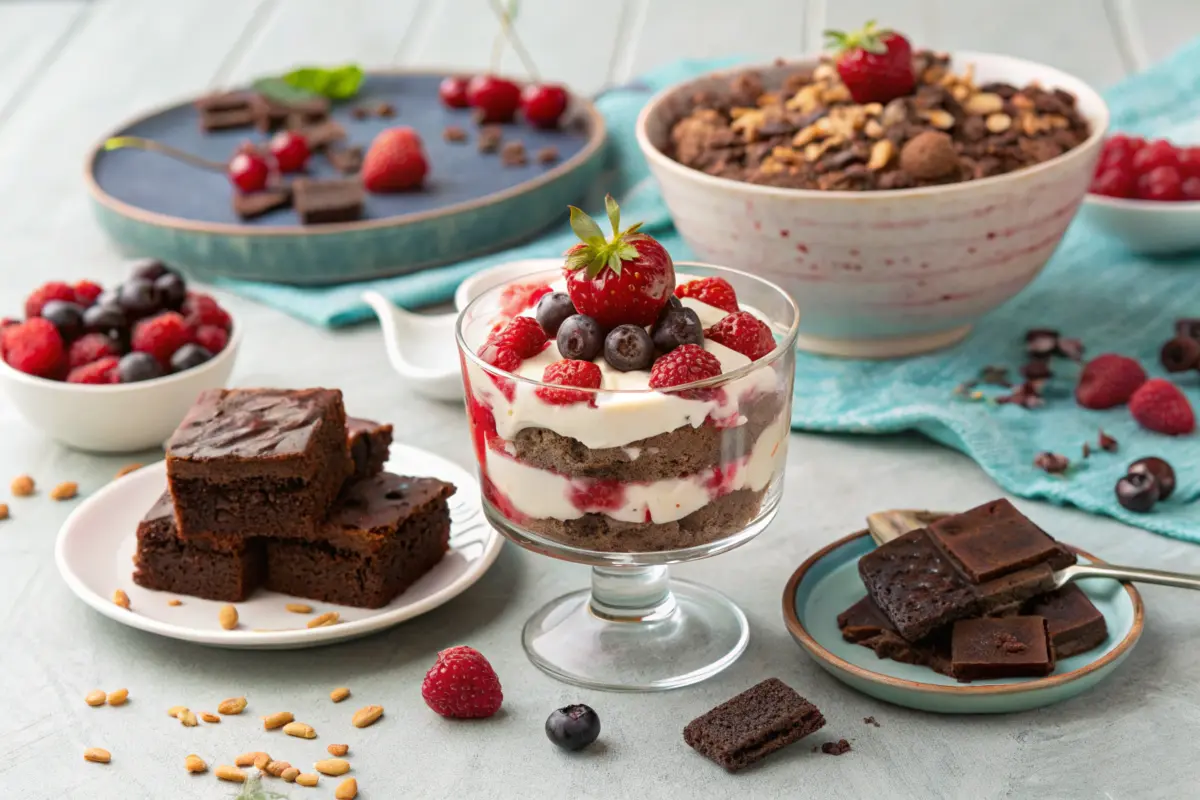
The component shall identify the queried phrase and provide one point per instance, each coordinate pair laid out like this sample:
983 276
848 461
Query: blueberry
1162 472
573 727
67 317
135 367
109 297
103 318
628 347
188 356
580 337
1138 491
138 298
552 310
676 328
148 269
171 290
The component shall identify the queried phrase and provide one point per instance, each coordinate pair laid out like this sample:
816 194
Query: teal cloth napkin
1092 289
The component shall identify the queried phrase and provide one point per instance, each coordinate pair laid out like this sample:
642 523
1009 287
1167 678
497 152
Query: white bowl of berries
1147 194
114 371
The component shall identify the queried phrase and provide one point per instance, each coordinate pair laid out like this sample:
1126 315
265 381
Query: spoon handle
1179 580
887 525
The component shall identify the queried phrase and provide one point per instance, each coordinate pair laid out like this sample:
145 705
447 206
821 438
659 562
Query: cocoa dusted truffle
929 156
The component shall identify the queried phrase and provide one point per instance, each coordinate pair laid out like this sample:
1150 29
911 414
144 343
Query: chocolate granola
808 133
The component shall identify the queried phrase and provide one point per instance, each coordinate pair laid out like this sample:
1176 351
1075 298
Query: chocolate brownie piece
1075 624
384 533
321 202
255 204
751 726
266 462
863 623
165 562
369 443
996 539
1001 647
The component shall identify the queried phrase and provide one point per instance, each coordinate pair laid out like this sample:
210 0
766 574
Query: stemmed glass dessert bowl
629 479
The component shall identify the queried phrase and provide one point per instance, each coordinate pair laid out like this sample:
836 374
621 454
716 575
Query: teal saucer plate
828 583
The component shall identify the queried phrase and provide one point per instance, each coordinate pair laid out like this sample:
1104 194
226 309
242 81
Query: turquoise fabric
1092 289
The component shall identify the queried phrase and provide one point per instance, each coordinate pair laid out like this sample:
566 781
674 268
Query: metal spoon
887 525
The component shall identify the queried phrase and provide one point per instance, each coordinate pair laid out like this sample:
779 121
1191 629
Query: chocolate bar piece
322 134
271 114
751 726
996 539
225 120
255 204
1001 647
1075 624
225 101
863 623
318 202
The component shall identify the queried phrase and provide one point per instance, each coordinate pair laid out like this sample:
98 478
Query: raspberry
503 358
91 347
598 495
200 309
520 296
583 374
1159 406
1108 380
744 333
1159 153
211 338
55 290
86 292
35 347
684 364
714 291
462 684
161 336
523 336
101 371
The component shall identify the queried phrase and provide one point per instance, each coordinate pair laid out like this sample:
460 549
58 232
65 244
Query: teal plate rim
819 653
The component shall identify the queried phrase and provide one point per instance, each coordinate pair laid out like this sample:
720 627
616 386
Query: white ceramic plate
95 549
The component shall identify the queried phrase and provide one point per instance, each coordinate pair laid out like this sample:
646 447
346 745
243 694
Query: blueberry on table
1162 472
171 290
677 328
137 366
1138 491
188 356
66 317
628 348
138 298
552 310
103 318
573 727
148 269
580 338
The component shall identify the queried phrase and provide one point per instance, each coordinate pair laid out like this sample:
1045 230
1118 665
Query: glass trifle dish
629 415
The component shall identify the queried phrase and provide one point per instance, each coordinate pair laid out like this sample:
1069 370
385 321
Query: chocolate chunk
836 748
513 154
1054 463
346 160
929 156
1180 354
360 112
1086 450
547 155
323 134
226 120
1028 395
454 133
255 204
1041 342
1006 647
1107 443
324 201
490 137
1074 622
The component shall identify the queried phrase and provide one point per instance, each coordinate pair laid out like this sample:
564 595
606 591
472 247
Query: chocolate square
1001 647
319 202
995 539
1075 624
255 204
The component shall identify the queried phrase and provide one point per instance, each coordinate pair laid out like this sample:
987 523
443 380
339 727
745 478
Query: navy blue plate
472 204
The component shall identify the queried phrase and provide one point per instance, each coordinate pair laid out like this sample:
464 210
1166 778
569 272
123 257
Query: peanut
95 698
339 694
64 491
998 123
210 718
882 153
174 601
300 730
3 511
234 705
228 617
175 711
338 750
231 774
118 697
120 598
984 103
252 758
290 774
299 608
22 486
332 766
277 720
307 779
328 618
346 790
187 719
276 768
97 755
367 715
195 764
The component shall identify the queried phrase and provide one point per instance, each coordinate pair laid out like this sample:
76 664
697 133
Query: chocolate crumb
1052 463
385 110
1070 348
489 139
1009 643
1180 354
453 133
360 112
547 155
1087 450
870 721
1041 342
994 376
512 154
836 748
1107 443
1037 369
1028 395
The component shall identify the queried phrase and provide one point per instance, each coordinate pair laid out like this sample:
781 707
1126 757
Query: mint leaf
281 91
338 83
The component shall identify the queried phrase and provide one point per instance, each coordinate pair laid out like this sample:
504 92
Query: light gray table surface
70 70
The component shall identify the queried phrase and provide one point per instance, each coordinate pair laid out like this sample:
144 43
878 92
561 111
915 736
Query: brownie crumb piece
548 155
346 160
360 112
513 154
454 133
752 725
385 110
1052 463
836 748
490 137
255 204
1107 443
870 721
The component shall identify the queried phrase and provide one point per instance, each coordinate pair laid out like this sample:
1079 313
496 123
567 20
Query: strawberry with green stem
875 64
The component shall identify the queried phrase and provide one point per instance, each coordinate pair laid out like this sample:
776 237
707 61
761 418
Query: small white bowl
121 418
1144 226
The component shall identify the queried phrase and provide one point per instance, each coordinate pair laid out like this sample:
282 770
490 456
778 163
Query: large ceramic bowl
889 273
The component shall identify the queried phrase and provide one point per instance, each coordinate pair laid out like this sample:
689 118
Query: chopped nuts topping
307 779
195 764
277 720
882 153
234 705
22 486
346 790
64 491
228 617
366 716
299 608
97 755
938 118
339 694
984 103
338 750
998 123
328 618
95 698
332 766
300 730
120 598
118 697
231 774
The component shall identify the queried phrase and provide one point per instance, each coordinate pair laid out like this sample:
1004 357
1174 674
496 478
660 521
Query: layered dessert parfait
618 406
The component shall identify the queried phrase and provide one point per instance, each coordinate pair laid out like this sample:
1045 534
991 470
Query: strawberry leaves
597 251
868 38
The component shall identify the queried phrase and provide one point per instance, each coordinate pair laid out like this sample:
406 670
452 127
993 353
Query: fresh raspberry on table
54 290
524 336
200 309
1108 380
35 347
582 374
744 333
211 338
394 162
91 347
684 364
101 371
876 65
521 296
714 291
462 685
161 336
1160 406
86 292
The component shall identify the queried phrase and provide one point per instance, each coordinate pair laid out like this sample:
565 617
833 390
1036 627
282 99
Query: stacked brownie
277 488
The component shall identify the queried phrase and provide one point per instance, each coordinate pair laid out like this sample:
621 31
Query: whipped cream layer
543 494
631 411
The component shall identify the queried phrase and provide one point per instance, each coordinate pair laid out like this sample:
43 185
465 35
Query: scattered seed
175 711
210 718
332 766
360 112
307 779
22 486
1053 463
1087 450
97 755
231 774
3 511
228 617
64 491
299 608
276 768
125 470
118 697
385 110
328 618
339 694
234 705
346 790
187 719
290 774
95 698
277 720
367 715
120 598
338 750
194 763
300 730
174 602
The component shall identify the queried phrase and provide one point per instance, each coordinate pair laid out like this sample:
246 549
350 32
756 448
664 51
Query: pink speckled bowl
882 274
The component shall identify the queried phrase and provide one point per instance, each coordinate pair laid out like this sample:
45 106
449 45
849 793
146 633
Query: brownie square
1074 622
166 563
995 539
266 462
320 202
751 726
370 443
1001 647
384 533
